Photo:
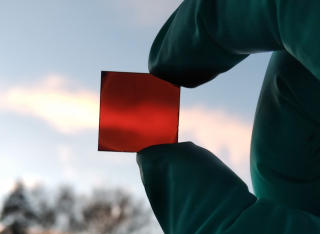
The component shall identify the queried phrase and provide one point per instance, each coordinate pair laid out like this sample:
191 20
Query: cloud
54 101
225 135
69 110
146 12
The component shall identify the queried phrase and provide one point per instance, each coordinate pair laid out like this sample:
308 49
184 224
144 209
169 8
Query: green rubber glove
206 37
192 191
285 146
202 39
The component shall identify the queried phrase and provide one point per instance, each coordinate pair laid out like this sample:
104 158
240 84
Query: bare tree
105 211
115 212
44 208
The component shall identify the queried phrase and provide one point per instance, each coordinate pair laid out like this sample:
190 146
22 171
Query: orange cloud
72 110
53 101
225 135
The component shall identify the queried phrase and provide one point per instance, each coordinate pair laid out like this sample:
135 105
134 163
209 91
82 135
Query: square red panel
137 110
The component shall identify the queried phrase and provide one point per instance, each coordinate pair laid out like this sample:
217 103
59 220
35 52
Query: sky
51 57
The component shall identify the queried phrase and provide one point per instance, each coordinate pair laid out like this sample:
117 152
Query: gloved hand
202 39
192 191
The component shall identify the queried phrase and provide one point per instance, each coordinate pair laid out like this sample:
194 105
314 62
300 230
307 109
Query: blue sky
51 57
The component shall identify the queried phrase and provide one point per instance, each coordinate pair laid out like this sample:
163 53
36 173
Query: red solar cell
137 110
